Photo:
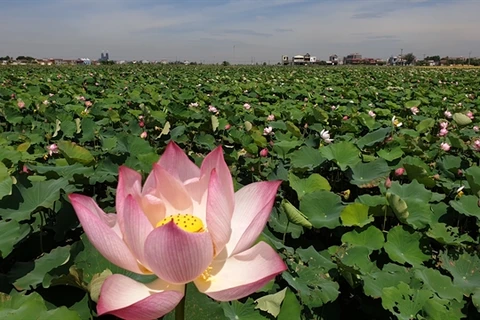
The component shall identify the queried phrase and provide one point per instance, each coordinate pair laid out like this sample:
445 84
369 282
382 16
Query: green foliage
359 241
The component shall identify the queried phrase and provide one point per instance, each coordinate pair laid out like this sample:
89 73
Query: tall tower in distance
106 56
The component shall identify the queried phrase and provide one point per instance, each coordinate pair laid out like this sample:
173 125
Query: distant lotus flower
193 104
141 124
186 224
445 146
88 104
228 126
247 106
372 114
399 171
396 123
267 131
25 169
50 94
476 145
443 125
345 118
325 136
144 135
447 114
476 128
264 152
81 98
388 183
53 148
212 109
444 99
305 99
351 101
45 102
271 117
21 104
470 115
414 110
333 107
443 132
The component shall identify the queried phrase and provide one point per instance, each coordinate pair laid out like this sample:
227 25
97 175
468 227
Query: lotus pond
377 215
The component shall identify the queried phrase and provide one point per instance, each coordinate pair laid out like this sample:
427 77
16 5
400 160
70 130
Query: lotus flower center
185 222
396 122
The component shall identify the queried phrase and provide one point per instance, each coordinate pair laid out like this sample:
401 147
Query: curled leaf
294 215
398 206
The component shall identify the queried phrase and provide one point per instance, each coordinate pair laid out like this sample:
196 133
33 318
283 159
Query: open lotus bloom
184 225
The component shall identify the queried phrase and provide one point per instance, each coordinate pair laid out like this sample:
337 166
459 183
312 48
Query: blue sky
208 30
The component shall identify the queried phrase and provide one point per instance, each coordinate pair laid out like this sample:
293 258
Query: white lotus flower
325 136
396 123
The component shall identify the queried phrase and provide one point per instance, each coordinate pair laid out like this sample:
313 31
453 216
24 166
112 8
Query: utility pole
401 55
469 55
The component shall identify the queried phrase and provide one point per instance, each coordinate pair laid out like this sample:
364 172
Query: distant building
353 58
394 60
299 59
333 60
84 61
104 57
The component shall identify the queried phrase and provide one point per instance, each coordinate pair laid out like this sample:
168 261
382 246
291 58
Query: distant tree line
25 58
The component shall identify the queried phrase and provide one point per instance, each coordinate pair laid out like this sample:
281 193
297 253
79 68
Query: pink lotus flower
21 104
476 145
443 132
212 109
25 169
88 104
470 115
144 135
345 118
271 117
445 146
372 114
447 114
264 152
228 126
476 128
267 131
443 125
388 183
53 148
399 171
247 106
141 124
414 110
186 224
